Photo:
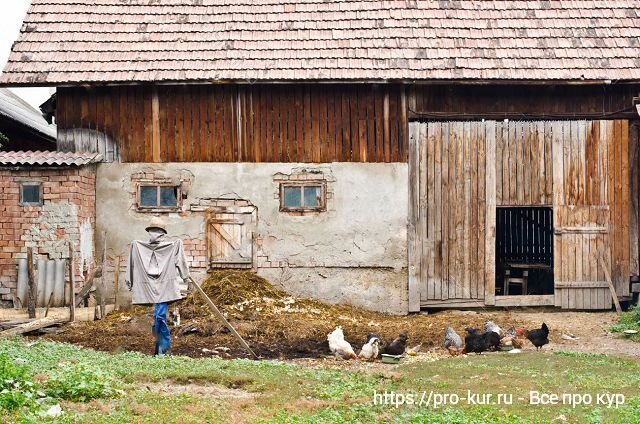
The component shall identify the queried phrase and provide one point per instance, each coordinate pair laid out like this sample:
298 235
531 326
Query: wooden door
591 211
452 214
229 241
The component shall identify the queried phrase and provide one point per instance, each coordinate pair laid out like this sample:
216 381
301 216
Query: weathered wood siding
591 208
523 162
580 168
254 123
522 102
449 258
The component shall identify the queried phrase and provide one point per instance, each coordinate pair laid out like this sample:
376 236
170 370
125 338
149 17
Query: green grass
628 321
115 388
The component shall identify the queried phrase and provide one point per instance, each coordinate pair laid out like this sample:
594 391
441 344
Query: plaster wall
355 252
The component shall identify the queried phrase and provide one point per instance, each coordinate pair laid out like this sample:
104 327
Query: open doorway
524 251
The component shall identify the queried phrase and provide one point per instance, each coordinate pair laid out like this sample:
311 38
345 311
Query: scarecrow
156 268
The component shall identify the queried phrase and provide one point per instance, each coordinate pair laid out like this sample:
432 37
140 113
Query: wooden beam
31 326
529 300
614 296
32 295
72 285
490 214
155 125
414 190
97 272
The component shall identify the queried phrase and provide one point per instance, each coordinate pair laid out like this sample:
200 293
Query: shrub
80 382
17 388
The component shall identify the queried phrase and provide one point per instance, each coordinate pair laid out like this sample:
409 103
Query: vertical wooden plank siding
220 123
453 234
583 169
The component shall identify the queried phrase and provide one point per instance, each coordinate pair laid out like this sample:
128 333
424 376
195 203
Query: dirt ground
277 325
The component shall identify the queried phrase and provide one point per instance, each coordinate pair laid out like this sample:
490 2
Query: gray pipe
42 278
50 281
58 290
23 283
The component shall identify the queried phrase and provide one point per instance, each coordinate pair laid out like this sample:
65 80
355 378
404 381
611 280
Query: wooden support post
97 272
33 288
72 284
101 290
217 312
116 281
612 289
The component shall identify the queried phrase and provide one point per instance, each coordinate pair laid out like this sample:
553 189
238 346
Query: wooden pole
101 290
33 289
612 289
116 281
72 285
217 312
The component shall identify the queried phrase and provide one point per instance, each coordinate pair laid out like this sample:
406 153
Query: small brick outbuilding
47 199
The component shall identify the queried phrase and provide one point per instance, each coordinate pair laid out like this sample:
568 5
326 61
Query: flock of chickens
493 338
475 341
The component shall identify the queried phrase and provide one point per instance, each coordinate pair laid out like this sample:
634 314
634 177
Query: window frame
158 207
39 184
322 207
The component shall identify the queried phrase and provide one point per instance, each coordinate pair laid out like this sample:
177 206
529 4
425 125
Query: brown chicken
453 351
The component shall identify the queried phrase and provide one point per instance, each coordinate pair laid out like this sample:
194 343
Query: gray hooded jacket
153 271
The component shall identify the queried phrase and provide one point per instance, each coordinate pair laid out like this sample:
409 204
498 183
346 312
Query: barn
396 155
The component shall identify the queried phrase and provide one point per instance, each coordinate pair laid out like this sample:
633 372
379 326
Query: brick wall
66 215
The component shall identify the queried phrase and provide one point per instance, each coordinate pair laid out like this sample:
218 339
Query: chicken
538 337
369 351
510 332
454 351
480 342
492 326
452 339
397 346
382 344
339 346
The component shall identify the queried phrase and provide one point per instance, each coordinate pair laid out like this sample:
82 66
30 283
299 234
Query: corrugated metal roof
75 41
15 108
48 158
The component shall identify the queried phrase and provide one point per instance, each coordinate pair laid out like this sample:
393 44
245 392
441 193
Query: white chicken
339 346
370 350
492 326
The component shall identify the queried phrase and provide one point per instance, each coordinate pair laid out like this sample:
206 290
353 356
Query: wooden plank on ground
612 290
31 326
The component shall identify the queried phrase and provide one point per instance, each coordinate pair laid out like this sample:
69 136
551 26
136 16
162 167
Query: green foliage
80 382
628 321
17 388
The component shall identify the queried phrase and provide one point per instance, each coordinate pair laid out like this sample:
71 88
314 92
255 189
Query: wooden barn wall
592 209
523 162
254 123
522 102
453 214
460 170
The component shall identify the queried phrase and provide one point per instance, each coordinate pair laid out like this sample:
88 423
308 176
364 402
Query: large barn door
452 214
591 211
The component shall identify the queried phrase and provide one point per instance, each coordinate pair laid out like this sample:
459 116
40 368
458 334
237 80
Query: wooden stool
515 280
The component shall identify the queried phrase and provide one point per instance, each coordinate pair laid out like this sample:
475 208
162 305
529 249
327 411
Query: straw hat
156 223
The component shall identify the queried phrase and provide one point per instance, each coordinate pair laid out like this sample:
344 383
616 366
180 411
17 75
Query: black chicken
397 346
538 337
480 342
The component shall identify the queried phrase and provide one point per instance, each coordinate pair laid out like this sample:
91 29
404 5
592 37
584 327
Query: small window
310 196
158 197
31 194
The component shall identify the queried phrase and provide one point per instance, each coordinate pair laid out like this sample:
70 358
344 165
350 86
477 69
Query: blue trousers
161 329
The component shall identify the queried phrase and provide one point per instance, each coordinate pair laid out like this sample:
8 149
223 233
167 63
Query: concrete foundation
355 252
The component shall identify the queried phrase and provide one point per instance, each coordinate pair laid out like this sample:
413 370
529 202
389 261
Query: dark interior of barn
524 251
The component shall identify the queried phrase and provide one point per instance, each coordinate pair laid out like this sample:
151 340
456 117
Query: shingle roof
48 158
73 41
16 109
